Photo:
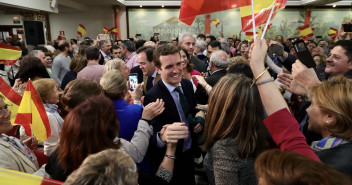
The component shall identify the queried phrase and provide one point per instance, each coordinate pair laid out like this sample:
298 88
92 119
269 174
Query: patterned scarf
52 108
21 147
327 143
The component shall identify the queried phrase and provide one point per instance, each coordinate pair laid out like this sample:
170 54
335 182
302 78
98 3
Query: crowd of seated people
228 110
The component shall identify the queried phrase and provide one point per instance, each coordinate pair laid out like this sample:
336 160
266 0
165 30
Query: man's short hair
140 43
92 53
115 47
41 48
225 47
148 52
129 45
346 45
63 44
183 35
230 38
201 36
86 43
110 167
102 42
218 61
34 53
163 50
211 37
214 44
201 44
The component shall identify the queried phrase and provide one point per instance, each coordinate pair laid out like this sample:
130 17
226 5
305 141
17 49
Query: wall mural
286 22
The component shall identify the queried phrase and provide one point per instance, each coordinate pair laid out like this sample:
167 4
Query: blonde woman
118 65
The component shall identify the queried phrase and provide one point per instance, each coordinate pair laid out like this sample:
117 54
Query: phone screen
133 79
347 27
277 50
303 54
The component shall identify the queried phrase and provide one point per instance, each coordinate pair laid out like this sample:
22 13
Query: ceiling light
162 6
140 6
334 5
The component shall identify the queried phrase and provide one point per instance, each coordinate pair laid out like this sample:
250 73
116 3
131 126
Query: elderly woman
118 65
14 154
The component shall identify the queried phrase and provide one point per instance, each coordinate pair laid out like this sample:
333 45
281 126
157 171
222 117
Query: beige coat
11 158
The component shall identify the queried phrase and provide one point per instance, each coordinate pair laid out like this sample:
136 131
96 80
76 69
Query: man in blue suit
180 104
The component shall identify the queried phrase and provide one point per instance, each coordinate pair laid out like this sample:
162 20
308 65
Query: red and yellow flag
113 30
106 30
306 32
249 35
11 98
32 115
262 9
9 54
332 32
81 30
191 8
11 177
216 22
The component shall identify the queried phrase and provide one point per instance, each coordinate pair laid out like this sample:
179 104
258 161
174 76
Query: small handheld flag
9 54
81 30
216 22
11 98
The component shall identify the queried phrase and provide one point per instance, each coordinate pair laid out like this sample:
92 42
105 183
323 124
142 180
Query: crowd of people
234 111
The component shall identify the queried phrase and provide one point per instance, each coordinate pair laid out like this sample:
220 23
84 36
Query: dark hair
189 66
41 48
32 67
346 45
232 104
312 41
73 41
201 36
214 44
148 52
211 37
230 38
62 45
86 42
163 50
77 64
86 38
82 50
277 167
129 45
140 43
77 91
89 128
241 68
92 53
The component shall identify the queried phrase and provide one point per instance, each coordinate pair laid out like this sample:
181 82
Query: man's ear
158 70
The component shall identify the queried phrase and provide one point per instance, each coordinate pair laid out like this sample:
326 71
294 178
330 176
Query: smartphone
276 49
138 34
347 27
133 79
303 54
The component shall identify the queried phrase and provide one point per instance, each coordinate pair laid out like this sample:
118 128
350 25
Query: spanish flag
106 30
262 9
332 32
11 177
9 54
249 36
306 32
113 30
11 98
216 22
191 8
81 30
32 115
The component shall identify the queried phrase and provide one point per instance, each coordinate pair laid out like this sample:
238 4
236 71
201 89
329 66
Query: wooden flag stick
253 21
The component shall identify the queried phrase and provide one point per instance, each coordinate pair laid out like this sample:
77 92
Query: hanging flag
306 32
216 22
9 54
11 98
113 30
11 177
81 30
262 9
32 115
106 30
191 8
332 32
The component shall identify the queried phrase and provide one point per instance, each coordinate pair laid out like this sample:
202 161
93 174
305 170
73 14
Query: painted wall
286 22
94 20
7 19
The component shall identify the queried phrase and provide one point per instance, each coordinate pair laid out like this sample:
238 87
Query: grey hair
225 47
201 44
102 42
34 53
50 48
218 61
182 35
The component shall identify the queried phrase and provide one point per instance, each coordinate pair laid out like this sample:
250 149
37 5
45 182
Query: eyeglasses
5 109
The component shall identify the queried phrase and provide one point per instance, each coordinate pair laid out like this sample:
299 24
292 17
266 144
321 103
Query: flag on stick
261 8
113 30
9 54
32 115
11 177
81 30
106 30
191 8
332 32
11 98
306 32
216 22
